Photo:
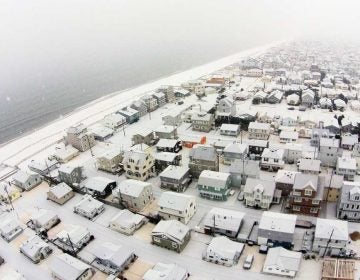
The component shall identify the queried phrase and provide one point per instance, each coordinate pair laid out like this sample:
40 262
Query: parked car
1 260
291 108
263 249
248 261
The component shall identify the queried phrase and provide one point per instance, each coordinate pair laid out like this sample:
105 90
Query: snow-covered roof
213 178
115 254
175 201
88 204
310 164
171 228
284 259
165 129
174 172
273 153
8 225
167 143
280 222
229 127
285 176
68 267
224 219
33 245
131 187
126 219
162 271
203 152
165 156
223 247
258 185
337 229
346 163
97 183
75 232
259 125
306 180
236 148
43 216
289 134
60 190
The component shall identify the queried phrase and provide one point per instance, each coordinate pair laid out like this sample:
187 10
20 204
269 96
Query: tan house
60 193
138 165
110 161
79 137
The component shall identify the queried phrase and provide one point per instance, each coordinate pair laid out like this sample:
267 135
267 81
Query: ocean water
59 56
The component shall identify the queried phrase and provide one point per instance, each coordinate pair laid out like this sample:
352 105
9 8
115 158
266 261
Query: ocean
54 60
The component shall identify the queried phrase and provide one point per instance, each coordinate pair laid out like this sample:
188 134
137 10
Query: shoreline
93 111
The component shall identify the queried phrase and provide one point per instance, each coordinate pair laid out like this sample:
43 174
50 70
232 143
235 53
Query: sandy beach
16 151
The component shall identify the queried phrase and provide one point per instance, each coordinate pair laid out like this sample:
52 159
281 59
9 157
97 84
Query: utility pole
8 196
91 151
72 245
328 242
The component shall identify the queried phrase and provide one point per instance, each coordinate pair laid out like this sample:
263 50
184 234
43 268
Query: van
248 261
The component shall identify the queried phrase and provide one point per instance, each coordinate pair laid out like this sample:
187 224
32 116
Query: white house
230 129
272 159
66 267
35 249
72 238
288 136
331 237
282 262
26 181
43 220
347 167
89 207
126 222
114 121
10 229
260 193
259 130
176 206
222 250
166 271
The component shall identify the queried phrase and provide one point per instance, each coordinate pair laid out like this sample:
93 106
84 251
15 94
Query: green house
214 185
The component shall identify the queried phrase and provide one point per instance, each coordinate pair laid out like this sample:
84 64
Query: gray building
202 122
202 157
26 181
144 136
240 170
329 151
71 175
234 151
79 137
348 207
130 114
35 249
175 178
276 229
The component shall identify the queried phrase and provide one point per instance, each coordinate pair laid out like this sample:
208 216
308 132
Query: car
263 249
1 260
303 109
291 108
248 261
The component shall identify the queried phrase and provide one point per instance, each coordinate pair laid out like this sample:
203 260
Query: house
288 136
274 97
35 249
175 178
307 195
333 125
202 157
176 206
240 170
110 161
294 152
226 108
203 121
348 207
111 258
140 106
166 272
181 92
60 193
257 147
102 133
166 132
309 166
114 121
134 194
282 262
65 154
331 237
173 118
126 222
329 151
260 193
348 141
272 159
160 98
10 229
171 234
80 138
89 207
131 115
293 99
98 186
8 193
73 238
230 129
169 93
138 165
151 102
144 136
276 229
260 131
214 185
289 121
66 267
71 175
317 134
223 221
332 186
169 145
43 220
234 151
222 250
338 269
347 167
26 181
164 159
307 98
284 181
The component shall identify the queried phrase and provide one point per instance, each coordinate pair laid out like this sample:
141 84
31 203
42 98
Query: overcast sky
42 36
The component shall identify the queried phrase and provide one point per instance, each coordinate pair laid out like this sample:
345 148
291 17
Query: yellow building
9 192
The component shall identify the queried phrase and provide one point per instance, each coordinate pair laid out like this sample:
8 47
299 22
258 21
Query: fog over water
58 55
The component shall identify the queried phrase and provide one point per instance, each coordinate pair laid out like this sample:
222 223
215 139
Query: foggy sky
69 36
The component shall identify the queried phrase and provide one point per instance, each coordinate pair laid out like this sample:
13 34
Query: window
315 202
308 192
297 199
296 208
313 210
